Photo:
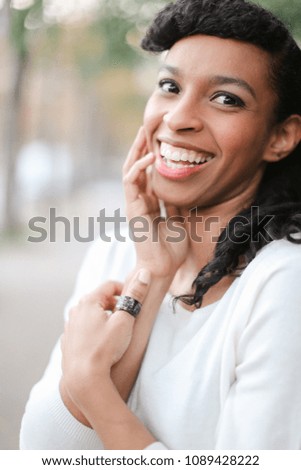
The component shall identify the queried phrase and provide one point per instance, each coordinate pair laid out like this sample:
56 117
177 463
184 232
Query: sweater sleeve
262 409
47 423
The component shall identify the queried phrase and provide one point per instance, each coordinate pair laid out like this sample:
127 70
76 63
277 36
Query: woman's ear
285 138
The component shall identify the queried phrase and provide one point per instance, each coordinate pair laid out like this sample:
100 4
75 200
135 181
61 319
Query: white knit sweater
227 376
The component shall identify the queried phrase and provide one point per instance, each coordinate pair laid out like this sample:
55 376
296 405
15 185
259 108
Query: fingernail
144 276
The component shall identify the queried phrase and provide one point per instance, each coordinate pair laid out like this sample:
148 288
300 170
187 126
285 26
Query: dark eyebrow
221 80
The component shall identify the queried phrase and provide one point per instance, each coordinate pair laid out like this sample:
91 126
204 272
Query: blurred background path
36 280
35 284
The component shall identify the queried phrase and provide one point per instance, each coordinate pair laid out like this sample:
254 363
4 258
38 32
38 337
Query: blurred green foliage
98 44
18 31
288 10
103 43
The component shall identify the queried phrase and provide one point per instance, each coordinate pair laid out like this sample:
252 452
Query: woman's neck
203 227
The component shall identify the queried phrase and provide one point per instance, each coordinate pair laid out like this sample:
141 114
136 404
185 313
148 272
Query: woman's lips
177 162
175 173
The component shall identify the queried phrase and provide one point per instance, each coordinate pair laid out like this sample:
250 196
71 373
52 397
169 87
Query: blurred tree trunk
12 141
12 125
92 144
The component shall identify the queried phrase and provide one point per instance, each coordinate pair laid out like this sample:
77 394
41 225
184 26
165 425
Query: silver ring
128 304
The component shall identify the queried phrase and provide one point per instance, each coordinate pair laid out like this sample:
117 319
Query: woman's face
209 122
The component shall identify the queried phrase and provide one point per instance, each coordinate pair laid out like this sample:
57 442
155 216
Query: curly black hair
279 193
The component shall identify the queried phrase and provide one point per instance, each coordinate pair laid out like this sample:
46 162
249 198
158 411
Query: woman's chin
173 199
169 192
169 196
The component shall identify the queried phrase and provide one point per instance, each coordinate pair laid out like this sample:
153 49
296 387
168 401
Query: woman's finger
62 342
137 290
132 176
138 167
138 286
136 151
104 295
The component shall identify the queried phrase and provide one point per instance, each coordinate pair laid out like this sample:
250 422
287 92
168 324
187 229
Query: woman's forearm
92 343
125 372
117 427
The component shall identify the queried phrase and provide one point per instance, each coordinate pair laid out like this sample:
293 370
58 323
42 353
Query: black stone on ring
128 304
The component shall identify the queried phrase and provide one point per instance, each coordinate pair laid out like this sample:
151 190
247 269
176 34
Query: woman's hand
94 340
160 251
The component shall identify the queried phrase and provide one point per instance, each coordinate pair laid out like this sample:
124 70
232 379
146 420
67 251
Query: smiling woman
215 108
219 153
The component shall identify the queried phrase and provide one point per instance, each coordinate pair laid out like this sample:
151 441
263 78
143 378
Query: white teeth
176 154
164 147
192 157
174 166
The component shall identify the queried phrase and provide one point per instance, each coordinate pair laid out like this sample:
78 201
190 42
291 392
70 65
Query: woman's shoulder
276 264
267 291
284 246
276 255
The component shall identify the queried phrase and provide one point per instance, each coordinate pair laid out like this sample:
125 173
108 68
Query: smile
177 162
177 157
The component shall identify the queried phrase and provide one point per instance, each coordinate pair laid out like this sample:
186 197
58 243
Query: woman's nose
184 117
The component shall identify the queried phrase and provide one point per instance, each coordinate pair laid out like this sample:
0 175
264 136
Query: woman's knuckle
137 292
125 178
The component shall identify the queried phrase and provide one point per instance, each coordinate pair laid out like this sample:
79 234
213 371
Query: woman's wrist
125 372
117 427
100 406
71 406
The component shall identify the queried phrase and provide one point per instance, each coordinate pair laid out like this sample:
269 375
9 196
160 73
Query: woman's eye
169 86
229 100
